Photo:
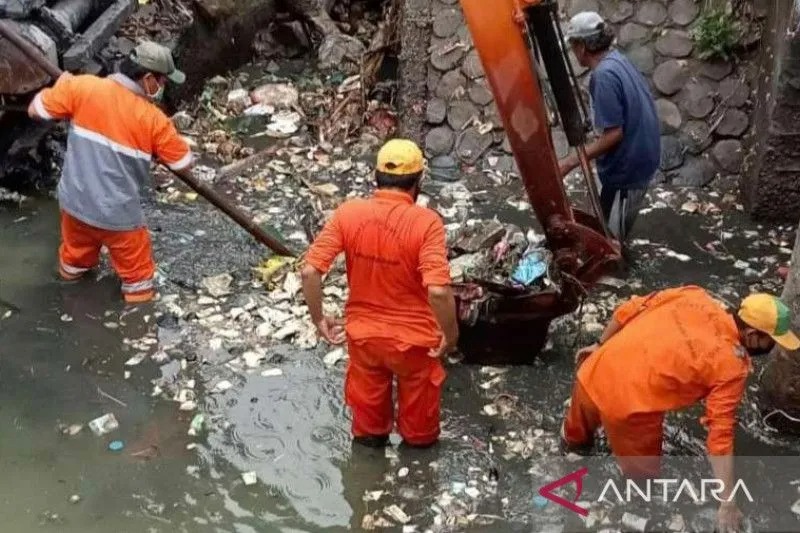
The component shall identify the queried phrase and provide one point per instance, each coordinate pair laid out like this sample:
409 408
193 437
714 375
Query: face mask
159 94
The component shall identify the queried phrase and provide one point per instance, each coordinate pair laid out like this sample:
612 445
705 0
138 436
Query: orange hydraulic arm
499 30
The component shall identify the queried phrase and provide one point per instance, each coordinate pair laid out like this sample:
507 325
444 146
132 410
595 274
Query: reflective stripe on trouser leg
132 258
71 272
80 247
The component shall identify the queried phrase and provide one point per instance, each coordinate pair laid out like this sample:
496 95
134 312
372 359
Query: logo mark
575 477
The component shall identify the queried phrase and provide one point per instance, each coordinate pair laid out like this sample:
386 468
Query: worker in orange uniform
667 351
115 131
400 316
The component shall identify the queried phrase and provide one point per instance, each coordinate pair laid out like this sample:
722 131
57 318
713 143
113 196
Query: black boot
372 441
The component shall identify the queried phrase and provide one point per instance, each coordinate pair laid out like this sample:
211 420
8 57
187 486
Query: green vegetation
716 34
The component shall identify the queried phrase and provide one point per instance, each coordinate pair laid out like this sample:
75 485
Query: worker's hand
332 329
729 518
583 353
445 347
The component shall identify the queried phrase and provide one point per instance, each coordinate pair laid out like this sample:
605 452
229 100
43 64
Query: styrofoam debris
397 514
249 478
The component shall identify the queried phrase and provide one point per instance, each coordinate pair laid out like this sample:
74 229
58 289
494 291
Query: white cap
584 24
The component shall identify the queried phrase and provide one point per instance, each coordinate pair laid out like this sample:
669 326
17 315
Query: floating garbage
272 372
249 478
276 95
197 425
531 267
74 498
397 514
634 522
334 356
116 445
104 424
219 285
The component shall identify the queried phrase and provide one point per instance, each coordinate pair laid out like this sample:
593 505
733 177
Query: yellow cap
399 157
767 313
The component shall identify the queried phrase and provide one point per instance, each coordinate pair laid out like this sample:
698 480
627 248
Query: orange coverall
394 250
115 132
676 347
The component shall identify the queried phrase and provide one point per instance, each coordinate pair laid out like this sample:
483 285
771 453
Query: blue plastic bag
531 267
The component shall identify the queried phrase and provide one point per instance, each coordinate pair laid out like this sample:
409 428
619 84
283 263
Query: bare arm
443 305
312 290
609 139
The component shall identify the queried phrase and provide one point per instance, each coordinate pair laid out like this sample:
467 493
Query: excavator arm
504 32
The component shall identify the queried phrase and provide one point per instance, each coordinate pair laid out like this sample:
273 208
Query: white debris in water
634 522
222 386
219 285
676 523
403 472
490 409
189 405
796 507
66 318
74 498
680 257
372 495
73 430
136 359
472 492
486 385
272 372
253 359
104 424
291 284
249 478
334 356
397 514
287 331
457 486
741 265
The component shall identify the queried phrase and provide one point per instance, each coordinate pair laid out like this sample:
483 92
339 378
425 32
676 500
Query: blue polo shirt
621 97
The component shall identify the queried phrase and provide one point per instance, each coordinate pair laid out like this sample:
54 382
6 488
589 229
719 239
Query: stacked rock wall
704 107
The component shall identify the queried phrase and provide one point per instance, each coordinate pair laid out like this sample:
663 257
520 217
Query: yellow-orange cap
767 313
400 156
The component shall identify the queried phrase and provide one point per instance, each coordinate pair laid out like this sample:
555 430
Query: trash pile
488 251
490 258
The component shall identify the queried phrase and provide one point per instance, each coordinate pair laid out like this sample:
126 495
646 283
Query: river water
62 361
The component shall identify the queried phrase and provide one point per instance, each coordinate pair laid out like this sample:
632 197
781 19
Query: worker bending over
115 131
628 149
667 351
400 314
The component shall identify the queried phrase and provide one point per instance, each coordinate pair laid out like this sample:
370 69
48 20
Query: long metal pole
199 187
591 187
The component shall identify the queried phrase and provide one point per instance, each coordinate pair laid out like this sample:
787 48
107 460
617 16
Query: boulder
671 76
651 13
669 115
675 43
729 155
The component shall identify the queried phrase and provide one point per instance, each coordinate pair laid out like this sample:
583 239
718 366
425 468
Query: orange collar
395 195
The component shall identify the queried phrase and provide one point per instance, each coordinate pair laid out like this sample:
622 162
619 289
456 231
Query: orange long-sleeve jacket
676 347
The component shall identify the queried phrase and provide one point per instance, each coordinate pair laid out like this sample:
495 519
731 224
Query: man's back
674 348
621 97
114 134
394 250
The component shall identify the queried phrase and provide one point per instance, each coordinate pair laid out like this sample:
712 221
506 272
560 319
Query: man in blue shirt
628 147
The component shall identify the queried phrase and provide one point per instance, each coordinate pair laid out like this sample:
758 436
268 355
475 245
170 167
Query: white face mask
159 94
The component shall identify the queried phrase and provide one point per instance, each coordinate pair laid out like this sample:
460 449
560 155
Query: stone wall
704 106
771 183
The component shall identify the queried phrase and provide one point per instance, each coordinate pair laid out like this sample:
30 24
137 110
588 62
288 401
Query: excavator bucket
18 75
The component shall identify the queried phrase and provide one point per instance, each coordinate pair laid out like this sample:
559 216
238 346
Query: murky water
291 430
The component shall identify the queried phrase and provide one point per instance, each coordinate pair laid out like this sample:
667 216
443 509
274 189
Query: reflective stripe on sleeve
38 106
